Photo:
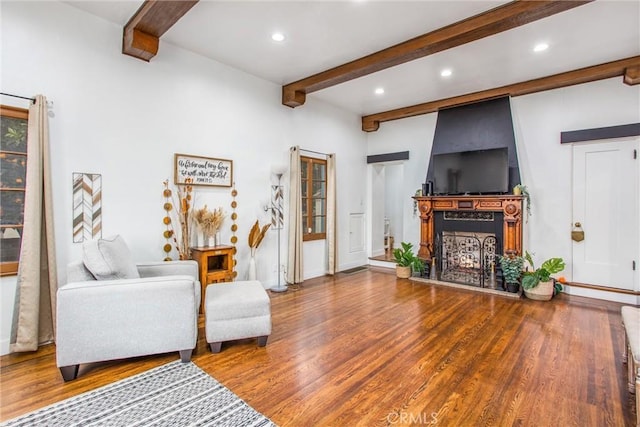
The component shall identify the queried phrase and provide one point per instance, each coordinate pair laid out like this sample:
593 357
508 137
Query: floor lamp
277 221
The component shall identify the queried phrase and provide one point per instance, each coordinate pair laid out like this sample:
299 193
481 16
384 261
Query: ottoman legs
69 372
217 346
185 355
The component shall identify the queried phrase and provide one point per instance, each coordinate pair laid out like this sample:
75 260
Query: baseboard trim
383 264
603 288
4 347
607 295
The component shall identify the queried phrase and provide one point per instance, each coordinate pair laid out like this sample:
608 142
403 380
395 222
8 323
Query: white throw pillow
109 258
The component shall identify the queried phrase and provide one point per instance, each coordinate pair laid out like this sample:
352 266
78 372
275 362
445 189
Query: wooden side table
215 264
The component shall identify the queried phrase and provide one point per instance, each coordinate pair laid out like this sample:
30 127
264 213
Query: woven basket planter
403 272
542 292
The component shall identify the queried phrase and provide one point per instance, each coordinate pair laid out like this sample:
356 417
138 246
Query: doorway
394 201
606 206
387 203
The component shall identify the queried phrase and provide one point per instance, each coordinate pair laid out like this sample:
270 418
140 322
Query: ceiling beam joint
141 35
632 75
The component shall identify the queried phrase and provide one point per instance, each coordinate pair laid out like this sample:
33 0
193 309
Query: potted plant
511 265
406 261
538 284
521 190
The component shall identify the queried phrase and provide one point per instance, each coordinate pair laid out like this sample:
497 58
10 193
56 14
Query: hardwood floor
368 349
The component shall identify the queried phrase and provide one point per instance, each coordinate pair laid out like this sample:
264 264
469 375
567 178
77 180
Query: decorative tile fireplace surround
467 232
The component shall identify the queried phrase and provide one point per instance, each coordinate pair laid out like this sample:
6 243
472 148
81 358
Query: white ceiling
323 34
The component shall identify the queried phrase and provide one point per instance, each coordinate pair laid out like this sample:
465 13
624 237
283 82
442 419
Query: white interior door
605 202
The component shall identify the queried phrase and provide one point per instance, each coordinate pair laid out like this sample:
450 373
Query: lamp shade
278 170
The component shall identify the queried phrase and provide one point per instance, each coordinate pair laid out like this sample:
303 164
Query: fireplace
500 215
461 137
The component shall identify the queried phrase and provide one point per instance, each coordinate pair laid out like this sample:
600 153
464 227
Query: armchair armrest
168 268
133 285
172 268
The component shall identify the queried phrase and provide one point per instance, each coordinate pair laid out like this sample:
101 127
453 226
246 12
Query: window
313 173
13 171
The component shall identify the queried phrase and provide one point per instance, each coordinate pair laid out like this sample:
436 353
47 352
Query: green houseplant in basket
511 265
406 261
538 284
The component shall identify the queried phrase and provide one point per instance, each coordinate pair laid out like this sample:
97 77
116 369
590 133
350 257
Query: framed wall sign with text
202 170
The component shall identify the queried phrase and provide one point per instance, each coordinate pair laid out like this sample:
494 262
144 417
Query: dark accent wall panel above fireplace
480 126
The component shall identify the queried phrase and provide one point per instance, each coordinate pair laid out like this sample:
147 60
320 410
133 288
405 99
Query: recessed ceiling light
379 91
540 47
446 72
277 37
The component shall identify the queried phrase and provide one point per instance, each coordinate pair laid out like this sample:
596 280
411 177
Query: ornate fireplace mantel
509 205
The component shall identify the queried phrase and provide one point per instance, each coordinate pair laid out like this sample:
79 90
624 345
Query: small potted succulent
406 261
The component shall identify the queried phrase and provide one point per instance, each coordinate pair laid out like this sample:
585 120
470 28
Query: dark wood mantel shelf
509 205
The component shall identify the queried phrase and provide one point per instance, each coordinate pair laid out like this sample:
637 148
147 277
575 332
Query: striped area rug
175 394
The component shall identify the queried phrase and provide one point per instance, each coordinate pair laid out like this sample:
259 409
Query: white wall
545 164
416 136
125 118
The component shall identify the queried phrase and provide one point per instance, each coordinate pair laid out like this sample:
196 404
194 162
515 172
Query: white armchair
101 320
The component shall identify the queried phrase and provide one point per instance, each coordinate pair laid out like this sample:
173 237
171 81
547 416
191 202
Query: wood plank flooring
368 349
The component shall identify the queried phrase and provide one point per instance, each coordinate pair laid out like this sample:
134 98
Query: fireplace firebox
468 259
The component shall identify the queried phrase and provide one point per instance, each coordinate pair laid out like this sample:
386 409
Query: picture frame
208 171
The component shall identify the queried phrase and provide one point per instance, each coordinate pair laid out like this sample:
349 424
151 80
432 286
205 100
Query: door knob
577 234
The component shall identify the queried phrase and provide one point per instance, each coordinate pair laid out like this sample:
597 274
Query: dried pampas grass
209 221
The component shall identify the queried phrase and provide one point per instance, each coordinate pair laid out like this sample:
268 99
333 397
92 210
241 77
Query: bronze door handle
577 234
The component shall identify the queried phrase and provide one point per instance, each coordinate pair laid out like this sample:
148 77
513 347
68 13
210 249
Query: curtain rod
315 152
18 96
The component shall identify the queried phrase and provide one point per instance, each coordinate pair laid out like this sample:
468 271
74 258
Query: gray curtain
332 250
34 312
294 264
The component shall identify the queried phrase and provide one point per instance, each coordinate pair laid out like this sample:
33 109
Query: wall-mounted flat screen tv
472 172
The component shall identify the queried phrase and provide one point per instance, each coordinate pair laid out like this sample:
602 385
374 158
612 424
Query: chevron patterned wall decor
277 209
87 206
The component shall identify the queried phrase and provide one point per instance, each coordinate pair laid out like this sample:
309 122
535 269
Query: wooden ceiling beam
494 21
624 67
141 35
632 75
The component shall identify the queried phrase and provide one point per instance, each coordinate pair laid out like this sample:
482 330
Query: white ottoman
236 310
